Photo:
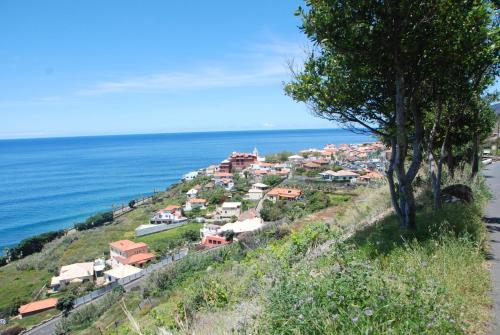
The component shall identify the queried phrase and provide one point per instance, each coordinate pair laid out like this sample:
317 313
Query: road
492 219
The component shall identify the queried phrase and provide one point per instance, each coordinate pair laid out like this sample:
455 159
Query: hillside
326 273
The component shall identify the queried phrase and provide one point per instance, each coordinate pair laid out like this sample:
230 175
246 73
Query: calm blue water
49 184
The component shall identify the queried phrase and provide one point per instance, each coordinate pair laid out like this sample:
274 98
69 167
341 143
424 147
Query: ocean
49 184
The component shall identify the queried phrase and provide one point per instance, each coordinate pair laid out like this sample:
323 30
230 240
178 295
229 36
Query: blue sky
70 68
117 67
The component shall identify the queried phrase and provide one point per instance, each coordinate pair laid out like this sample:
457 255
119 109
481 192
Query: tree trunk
450 162
475 156
390 178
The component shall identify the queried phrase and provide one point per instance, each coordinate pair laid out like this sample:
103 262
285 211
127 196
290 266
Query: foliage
131 203
94 221
65 303
389 66
33 244
190 235
278 157
272 180
272 211
82 317
13 330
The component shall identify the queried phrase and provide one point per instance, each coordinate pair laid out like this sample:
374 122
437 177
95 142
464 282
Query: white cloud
262 64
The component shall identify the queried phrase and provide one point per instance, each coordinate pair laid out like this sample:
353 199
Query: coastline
48 193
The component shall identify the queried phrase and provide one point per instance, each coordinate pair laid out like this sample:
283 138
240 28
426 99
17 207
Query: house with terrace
228 210
168 215
195 203
73 273
126 252
284 194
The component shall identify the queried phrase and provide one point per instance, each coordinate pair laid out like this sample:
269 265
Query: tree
272 180
65 304
131 203
376 66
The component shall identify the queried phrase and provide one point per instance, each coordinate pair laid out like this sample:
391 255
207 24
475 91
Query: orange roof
140 258
346 173
198 200
125 245
372 175
260 172
170 208
39 305
285 192
223 174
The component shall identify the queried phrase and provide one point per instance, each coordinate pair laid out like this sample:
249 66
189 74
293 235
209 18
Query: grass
21 279
165 240
382 280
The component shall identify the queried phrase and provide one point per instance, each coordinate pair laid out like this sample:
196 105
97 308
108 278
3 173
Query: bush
33 244
94 221
13 330
65 304
272 211
131 203
190 235
272 180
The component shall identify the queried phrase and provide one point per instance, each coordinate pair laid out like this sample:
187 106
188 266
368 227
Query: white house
209 230
120 272
190 175
342 175
254 194
260 186
168 215
295 158
195 203
228 210
243 226
192 193
73 273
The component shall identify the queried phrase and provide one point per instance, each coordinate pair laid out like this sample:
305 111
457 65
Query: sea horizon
171 133
53 183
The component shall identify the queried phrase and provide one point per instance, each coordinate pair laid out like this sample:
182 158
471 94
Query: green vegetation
401 74
314 200
32 245
278 157
94 221
24 278
317 277
167 240
272 180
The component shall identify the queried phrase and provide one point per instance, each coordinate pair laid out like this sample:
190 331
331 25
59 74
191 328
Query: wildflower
381 297
329 294
355 319
335 316
424 264
368 312
301 317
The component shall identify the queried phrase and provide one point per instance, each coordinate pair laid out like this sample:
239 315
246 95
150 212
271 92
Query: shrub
190 235
13 330
65 304
94 221
33 244
131 203
272 180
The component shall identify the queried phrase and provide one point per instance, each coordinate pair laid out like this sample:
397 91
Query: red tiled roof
125 245
285 192
198 200
140 258
170 208
39 305
223 174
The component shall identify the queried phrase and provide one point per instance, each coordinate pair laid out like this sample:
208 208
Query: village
242 194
